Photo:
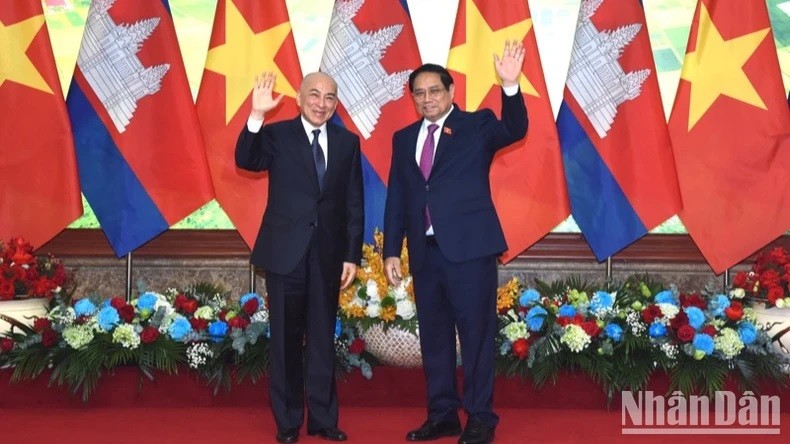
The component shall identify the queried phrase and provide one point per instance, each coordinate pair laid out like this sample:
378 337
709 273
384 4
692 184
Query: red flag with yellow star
729 127
527 181
40 185
249 37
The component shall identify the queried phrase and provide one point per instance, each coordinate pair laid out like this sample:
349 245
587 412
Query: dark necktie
426 162
318 158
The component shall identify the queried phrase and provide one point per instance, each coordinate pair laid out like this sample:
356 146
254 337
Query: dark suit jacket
296 207
457 192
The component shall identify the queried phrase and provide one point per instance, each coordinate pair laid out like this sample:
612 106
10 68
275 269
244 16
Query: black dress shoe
431 430
330 434
287 436
476 433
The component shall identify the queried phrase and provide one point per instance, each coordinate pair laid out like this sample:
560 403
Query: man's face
431 98
317 99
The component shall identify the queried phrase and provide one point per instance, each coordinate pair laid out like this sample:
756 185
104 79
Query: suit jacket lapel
413 132
303 150
446 138
332 141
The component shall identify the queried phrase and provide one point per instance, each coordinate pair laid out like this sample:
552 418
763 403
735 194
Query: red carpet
179 409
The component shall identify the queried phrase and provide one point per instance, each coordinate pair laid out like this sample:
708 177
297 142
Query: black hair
444 75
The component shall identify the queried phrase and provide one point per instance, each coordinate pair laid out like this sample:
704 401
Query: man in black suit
309 245
439 197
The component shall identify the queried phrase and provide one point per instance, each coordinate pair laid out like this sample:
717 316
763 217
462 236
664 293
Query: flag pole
129 276
608 268
726 278
252 278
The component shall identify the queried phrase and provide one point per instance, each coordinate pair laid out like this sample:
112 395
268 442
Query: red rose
222 314
41 324
562 321
520 348
59 277
149 335
43 287
357 346
238 322
679 321
126 312
686 333
190 306
740 280
769 278
117 302
775 293
650 313
735 311
251 306
20 273
779 255
198 324
693 300
591 328
49 337
6 345
709 330
7 290
179 301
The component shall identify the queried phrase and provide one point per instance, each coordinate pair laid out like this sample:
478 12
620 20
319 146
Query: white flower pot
22 310
775 320
396 347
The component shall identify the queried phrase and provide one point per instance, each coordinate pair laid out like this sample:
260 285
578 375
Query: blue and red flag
141 159
616 150
370 51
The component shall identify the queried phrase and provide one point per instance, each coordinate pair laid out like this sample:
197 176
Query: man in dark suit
439 197
309 245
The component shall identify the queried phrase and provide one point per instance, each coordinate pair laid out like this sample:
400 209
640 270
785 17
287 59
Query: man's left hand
508 68
349 273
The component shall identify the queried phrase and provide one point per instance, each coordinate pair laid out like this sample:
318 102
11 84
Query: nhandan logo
649 414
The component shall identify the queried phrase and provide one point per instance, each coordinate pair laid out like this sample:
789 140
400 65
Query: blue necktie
318 158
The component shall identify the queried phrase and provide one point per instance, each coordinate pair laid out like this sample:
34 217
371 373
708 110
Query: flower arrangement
370 300
768 281
24 275
621 335
201 327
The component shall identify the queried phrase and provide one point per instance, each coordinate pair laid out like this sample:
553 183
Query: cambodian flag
616 150
140 154
370 51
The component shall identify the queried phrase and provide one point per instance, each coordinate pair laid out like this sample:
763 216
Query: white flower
261 316
515 330
737 293
204 312
373 310
405 309
669 310
197 354
372 290
575 338
125 335
399 292
780 303
78 336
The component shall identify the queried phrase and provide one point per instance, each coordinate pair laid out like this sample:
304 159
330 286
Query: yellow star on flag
244 55
470 58
15 65
715 68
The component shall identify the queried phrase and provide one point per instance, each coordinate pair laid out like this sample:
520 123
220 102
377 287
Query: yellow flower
388 314
506 295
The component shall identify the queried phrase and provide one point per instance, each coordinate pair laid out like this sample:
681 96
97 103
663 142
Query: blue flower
657 330
147 301
703 343
747 332
217 330
535 317
338 328
614 331
567 310
666 297
179 328
696 317
529 296
718 304
108 318
84 307
601 301
244 299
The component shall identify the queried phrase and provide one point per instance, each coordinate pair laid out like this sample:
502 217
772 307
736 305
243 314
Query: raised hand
508 68
262 100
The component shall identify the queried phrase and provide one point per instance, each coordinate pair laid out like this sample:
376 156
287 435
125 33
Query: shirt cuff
510 91
254 125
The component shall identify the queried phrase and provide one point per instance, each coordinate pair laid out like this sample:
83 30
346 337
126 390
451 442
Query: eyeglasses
422 94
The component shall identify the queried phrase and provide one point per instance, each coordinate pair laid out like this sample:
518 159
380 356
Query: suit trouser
302 316
457 295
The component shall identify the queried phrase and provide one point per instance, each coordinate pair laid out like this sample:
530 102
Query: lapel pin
447 131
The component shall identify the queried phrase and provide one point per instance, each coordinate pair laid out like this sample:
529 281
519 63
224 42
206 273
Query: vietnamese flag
249 37
40 187
527 180
729 126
